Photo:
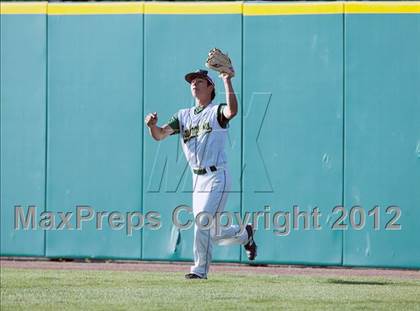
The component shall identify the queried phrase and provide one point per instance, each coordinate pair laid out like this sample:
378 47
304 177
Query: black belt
202 171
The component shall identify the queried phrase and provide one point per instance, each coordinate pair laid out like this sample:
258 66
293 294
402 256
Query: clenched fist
151 119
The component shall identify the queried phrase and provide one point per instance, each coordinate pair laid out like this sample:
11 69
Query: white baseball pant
210 193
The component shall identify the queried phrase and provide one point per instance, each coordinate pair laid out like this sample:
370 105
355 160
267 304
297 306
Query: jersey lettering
197 130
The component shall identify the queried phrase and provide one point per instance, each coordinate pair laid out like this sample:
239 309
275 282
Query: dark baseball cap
201 73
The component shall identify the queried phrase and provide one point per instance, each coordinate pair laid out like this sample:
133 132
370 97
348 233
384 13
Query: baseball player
203 132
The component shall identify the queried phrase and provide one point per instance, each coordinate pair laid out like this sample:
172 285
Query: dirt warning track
145 266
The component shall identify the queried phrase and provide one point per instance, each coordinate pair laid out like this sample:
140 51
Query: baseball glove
220 62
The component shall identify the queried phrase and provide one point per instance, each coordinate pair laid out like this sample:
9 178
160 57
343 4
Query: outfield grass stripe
111 290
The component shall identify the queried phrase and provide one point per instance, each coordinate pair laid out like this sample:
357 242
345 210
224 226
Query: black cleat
193 276
250 246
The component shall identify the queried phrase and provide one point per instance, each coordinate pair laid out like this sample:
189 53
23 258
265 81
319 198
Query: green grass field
110 290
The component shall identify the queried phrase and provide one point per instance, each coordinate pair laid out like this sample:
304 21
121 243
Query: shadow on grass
353 282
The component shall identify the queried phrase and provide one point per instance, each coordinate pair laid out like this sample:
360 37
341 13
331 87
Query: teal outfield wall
382 136
293 138
94 129
23 127
329 117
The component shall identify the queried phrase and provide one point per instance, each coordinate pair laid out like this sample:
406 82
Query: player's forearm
232 103
156 132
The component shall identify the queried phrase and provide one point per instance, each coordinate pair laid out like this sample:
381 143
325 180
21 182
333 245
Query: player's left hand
219 61
225 76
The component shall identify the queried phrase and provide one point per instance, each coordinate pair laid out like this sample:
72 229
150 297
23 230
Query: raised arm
158 133
232 103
